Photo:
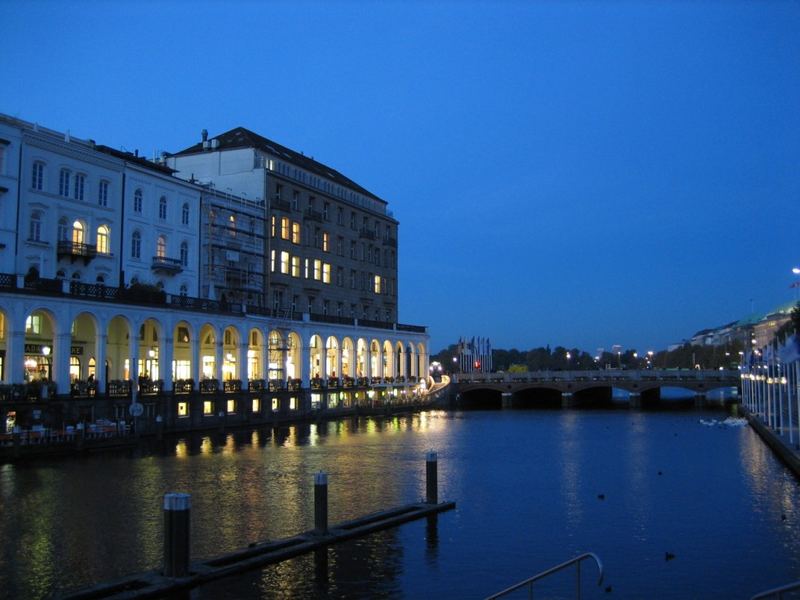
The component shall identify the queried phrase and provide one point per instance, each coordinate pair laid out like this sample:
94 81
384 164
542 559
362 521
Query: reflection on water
533 488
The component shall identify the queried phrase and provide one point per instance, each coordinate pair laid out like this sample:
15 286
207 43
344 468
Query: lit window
295 232
102 239
137 201
377 284
162 208
306 269
63 183
285 263
136 245
326 272
161 246
77 232
272 261
183 409
80 182
37 180
285 228
102 194
272 226
33 324
317 269
295 266
326 238
185 214
208 407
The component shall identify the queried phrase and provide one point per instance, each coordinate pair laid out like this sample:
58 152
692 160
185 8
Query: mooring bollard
431 478
321 502
176 534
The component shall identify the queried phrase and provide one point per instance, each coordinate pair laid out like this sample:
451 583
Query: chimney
204 134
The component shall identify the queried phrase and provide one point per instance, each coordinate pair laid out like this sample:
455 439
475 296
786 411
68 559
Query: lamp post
796 284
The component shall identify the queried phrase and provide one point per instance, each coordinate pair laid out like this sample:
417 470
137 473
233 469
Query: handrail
778 591
531 580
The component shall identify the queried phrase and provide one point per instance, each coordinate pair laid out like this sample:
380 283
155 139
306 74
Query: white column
60 357
166 350
196 367
219 354
100 344
14 370
305 365
244 366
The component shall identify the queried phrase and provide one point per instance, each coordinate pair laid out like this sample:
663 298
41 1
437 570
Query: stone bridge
572 386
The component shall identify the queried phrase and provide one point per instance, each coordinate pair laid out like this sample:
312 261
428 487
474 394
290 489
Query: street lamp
796 284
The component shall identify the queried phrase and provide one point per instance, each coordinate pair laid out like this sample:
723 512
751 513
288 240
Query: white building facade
123 283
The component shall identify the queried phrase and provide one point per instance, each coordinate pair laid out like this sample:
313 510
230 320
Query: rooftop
244 138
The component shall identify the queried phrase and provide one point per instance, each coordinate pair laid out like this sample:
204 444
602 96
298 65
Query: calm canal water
526 483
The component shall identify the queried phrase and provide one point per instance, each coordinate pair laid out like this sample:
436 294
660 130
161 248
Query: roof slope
240 137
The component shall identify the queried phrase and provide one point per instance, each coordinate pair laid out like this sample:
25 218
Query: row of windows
324 211
138 206
290 231
161 248
312 305
74 232
70 185
323 185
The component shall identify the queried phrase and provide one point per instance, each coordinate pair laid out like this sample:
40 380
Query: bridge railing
607 375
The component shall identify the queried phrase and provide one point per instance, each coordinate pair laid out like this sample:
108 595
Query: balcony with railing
76 250
367 234
166 265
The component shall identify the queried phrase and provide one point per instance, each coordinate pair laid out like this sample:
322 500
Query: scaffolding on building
234 248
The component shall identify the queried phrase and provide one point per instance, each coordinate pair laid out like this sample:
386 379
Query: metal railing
778 591
539 576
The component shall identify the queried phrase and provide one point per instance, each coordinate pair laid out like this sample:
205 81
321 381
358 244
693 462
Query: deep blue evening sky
574 173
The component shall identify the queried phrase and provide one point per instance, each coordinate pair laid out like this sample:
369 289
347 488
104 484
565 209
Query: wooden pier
180 573
154 584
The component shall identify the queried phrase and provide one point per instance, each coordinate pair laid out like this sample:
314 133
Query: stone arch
422 361
387 355
40 352
362 357
399 360
255 354
209 363
151 338
315 356
84 344
411 363
348 358
375 358
294 352
118 334
231 368
183 338
332 368
277 359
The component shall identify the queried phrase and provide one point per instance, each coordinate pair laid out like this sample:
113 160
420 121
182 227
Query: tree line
560 358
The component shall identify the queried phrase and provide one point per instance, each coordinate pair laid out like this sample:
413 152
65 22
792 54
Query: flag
790 352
